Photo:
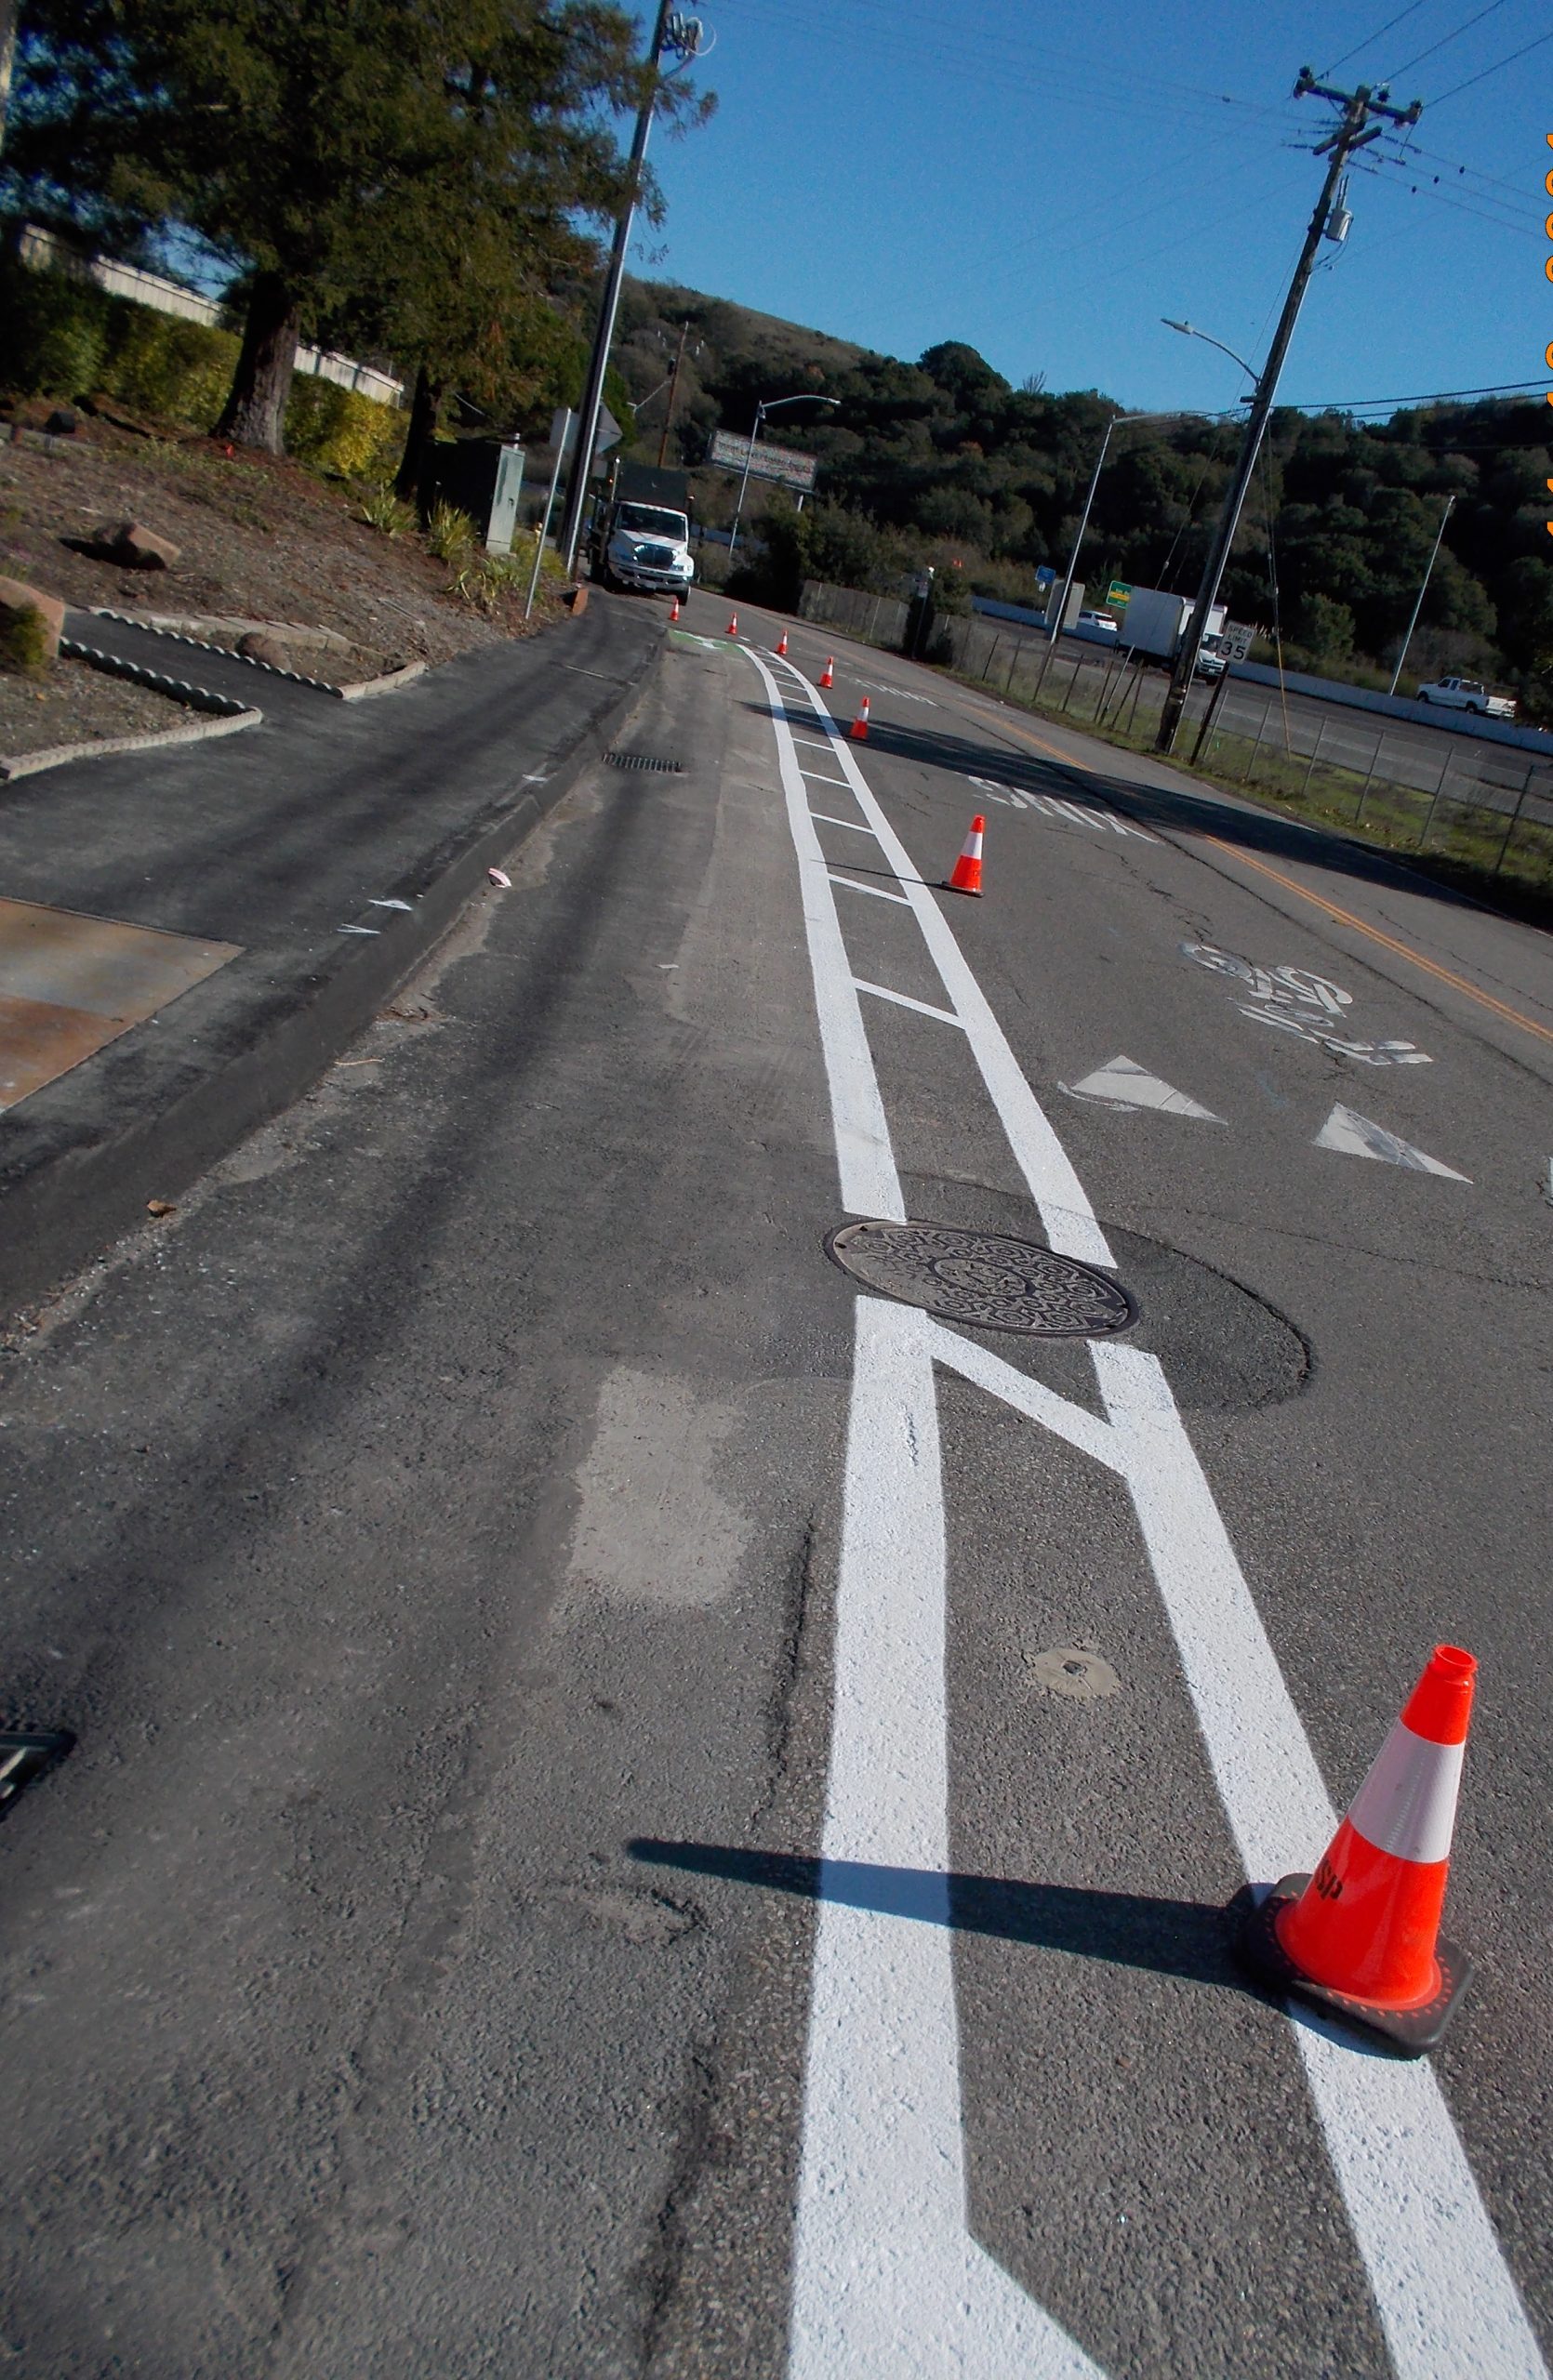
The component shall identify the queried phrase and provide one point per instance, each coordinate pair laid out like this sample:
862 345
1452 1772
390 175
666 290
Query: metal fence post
1256 746
1515 814
1434 800
1369 775
1320 740
990 658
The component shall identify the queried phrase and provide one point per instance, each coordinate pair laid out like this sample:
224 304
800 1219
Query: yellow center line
1343 916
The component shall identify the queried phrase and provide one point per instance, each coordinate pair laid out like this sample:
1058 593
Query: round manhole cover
985 1278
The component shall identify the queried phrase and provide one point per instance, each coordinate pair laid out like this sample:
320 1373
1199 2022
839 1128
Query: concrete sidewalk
278 843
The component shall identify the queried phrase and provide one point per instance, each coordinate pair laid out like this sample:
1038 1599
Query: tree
306 142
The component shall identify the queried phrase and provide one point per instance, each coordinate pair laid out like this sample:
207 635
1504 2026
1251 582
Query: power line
1431 397
1412 9
1411 148
1458 88
1446 39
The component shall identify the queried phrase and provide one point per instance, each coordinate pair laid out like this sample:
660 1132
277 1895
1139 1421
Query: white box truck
1152 621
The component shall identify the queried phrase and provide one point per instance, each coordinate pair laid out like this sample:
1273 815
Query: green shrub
380 508
174 370
339 429
450 534
57 333
24 642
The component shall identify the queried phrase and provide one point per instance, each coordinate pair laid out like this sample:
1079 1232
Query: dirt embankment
259 541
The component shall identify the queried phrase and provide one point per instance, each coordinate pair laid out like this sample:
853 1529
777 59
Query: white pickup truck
1466 694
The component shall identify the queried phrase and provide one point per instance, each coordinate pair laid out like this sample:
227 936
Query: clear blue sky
1047 182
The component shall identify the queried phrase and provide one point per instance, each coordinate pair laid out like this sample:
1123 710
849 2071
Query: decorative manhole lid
985 1278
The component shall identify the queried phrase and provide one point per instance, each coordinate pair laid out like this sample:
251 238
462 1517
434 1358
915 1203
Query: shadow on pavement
1179 1937
1212 812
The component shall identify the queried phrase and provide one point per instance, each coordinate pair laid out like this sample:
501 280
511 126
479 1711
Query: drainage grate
24 1757
983 1278
644 761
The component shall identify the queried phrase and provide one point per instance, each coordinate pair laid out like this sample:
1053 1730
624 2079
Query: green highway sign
1117 592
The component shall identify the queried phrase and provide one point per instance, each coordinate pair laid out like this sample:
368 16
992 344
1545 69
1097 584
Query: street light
766 404
1114 422
1434 554
683 38
1188 330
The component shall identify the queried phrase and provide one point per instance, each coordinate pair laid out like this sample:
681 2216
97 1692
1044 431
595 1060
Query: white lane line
904 999
874 891
814 777
826 820
1445 2299
807 744
887 2278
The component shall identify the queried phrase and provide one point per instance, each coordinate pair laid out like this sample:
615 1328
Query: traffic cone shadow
1360 1939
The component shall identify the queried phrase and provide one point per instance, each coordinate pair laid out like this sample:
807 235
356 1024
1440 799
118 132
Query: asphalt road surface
641 1807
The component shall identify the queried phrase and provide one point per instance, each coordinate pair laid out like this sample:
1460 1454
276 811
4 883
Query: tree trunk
424 407
255 411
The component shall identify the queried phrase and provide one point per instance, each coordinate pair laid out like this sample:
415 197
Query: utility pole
674 388
1354 132
682 35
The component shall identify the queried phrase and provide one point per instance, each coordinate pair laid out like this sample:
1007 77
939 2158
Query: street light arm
1189 330
763 406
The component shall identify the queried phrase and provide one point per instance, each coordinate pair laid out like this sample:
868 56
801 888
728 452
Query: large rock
31 625
134 546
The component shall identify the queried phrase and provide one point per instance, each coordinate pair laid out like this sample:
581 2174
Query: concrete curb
54 756
64 1211
356 691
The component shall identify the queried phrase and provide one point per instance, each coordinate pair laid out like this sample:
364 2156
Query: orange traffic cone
967 867
782 646
1360 1938
733 625
675 609
858 730
828 675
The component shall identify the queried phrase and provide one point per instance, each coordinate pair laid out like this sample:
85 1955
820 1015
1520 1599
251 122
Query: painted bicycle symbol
1294 1001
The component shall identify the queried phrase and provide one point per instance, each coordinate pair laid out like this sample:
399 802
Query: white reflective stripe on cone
1407 1804
972 847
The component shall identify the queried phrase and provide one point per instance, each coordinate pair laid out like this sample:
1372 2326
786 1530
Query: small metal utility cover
983 1278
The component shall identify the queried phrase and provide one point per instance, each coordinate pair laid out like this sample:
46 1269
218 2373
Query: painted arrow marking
1124 1084
1357 1136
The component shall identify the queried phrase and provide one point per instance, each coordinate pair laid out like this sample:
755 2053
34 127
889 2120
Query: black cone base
1411 2030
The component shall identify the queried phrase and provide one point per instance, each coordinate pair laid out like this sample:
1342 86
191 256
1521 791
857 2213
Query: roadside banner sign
766 462
1119 592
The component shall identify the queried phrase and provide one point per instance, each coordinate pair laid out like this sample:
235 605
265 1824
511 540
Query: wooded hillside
943 461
